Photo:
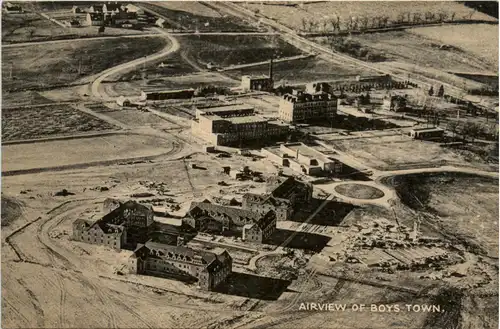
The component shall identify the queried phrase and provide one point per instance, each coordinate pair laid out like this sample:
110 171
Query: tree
304 24
442 16
417 18
363 21
470 129
440 91
431 91
452 16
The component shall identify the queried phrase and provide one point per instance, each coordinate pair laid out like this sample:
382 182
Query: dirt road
173 47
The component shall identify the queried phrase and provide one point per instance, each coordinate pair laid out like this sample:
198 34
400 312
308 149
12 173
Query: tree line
336 23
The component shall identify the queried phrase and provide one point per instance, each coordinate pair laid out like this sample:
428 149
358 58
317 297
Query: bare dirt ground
76 151
423 47
478 39
466 205
391 152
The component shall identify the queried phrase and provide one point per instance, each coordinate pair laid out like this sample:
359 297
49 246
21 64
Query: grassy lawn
47 122
55 64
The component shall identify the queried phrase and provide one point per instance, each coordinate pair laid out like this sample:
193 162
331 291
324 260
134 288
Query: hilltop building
208 268
251 226
235 125
302 106
260 83
284 197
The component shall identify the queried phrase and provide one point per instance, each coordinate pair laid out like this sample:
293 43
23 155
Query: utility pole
80 66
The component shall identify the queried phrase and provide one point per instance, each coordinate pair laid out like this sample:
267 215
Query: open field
83 150
173 65
323 12
479 39
467 206
302 71
23 98
48 121
414 47
57 64
391 152
197 16
226 50
133 117
31 27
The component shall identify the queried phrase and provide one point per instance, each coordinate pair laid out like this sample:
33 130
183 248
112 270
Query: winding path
173 47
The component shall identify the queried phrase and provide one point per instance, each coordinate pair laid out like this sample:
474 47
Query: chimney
271 68
297 154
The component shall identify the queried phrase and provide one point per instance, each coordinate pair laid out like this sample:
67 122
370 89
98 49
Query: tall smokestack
271 68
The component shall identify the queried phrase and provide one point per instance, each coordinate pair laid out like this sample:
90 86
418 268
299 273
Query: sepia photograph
250 164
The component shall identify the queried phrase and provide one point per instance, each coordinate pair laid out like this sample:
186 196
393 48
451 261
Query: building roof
303 97
427 129
256 77
226 108
237 214
246 119
163 91
113 6
229 211
307 151
211 259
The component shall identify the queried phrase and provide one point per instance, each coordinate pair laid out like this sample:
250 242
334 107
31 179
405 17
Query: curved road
126 66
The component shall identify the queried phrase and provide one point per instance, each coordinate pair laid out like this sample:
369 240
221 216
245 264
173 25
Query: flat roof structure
226 108
246 119
423 130
307 151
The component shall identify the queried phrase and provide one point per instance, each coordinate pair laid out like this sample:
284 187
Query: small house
434 133
95 19
160 22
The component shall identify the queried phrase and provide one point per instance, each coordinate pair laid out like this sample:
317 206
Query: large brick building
252 226
208 268
284 197
235 125
303 107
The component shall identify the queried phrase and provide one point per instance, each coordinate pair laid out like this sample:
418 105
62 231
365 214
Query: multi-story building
208 268
302 107
250 225
283 197
235 125
125 224
259 83
114 236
